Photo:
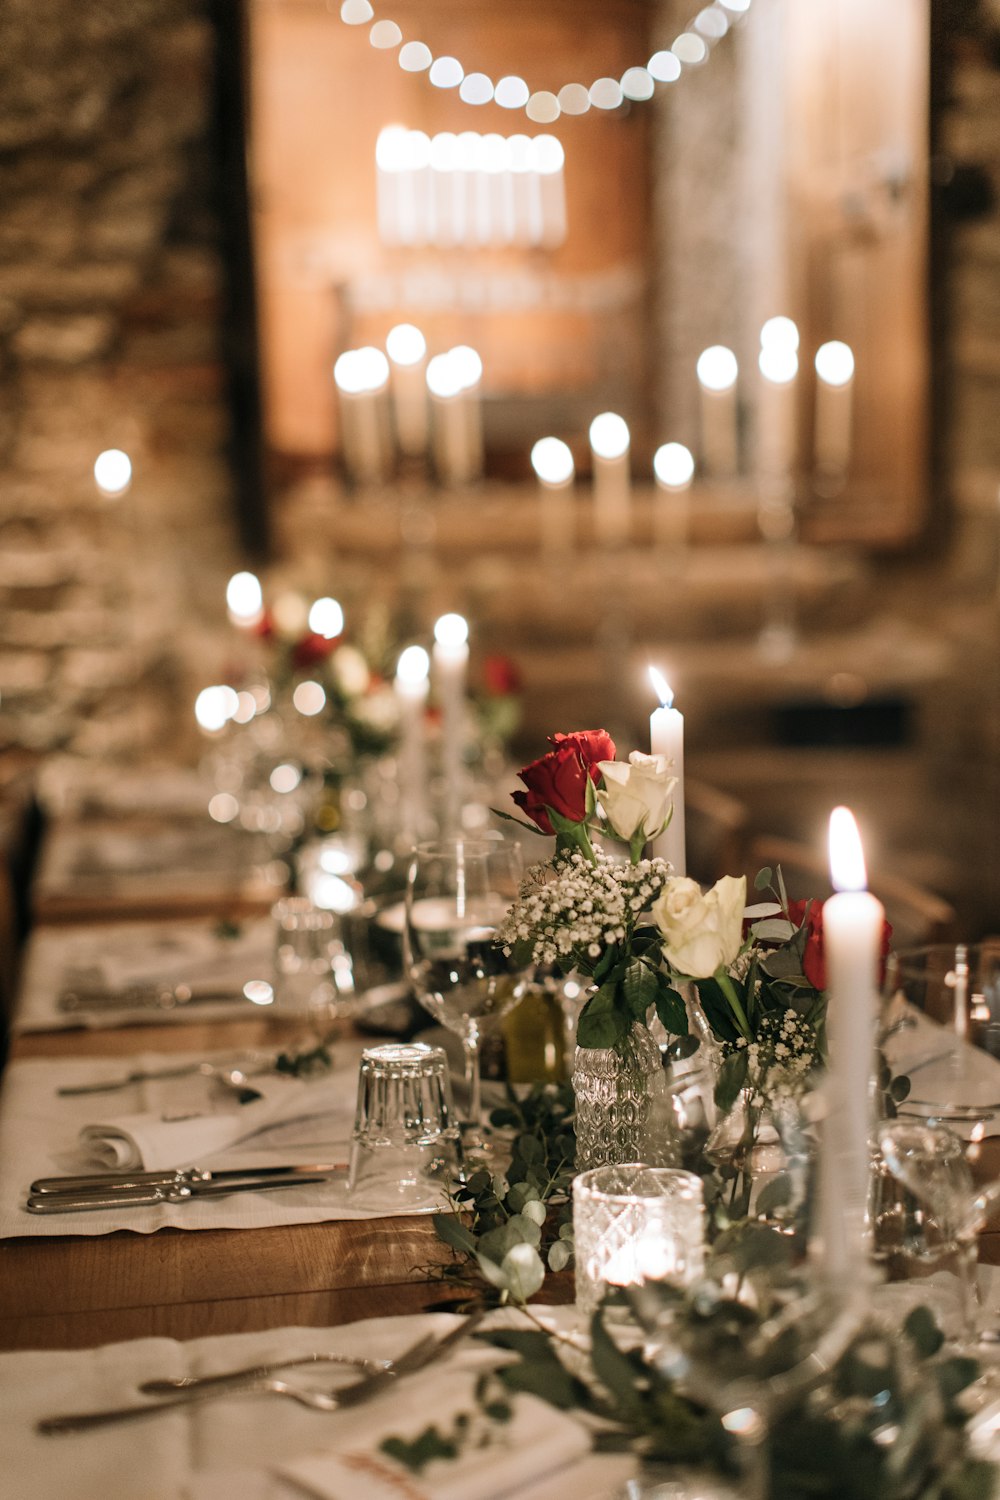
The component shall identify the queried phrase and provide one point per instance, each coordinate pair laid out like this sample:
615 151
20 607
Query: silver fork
195 1383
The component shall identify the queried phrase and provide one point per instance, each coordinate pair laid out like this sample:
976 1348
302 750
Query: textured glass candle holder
634 1223
615 1096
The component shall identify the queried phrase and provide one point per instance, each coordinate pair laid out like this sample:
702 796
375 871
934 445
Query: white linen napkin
498 1459
151 1142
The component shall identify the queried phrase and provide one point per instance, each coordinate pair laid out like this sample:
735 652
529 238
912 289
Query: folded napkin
151 1142
495 1459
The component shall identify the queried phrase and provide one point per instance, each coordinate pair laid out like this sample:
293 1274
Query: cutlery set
76 1194
259 1380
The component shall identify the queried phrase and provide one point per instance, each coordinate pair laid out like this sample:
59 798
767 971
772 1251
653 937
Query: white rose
701 933
636 794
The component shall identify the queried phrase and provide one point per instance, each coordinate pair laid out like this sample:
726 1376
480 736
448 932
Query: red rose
310 649
813 959
501 677
559 780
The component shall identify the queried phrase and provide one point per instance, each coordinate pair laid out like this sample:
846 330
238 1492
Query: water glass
405 1131
308 950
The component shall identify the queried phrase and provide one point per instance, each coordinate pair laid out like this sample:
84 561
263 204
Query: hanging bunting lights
691 49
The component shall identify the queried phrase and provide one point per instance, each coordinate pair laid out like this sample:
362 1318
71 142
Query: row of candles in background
436 408
636 1223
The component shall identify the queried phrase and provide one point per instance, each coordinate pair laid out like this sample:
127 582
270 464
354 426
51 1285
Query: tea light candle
407 351
635 1223
834 406
666 737
609 446
411 694
451 660
718 372
553 464
852 940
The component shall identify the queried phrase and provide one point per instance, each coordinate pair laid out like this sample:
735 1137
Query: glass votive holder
406 1134
633 1224
308 948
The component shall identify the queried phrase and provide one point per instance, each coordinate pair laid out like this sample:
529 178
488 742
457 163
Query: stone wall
110 318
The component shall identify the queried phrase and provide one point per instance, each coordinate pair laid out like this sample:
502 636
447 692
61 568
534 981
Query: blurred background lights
413 665
359 370
609 435
664 67
778 363
451 630
223 807
309 698
443 379
835 362
405 344
326 618
285 778
637 83
215 706
476 88
244 598
356 12
606 93
690 48
446 72
511 92
467 365
414 57
673 465
259 992
385 35
112 472
779 333
246 708
552 461
717 368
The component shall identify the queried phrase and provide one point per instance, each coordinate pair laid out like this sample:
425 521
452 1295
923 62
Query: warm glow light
664 67
414 57
511 92
385 35
779 333
446 72
244 598
637 83
285 778
778 363
542 107
405 344
690 48
291 613
223 807
112 472
606 93
737 6
414 665
326 618
214 707
847 857
673 465
609 435
356 12
259 992
661 688
467 365
358 371
476 88
546 155
552 461
496 154
309 698
717 368
834 363
574 99
451 631
712 22
443 379
247 708
333 893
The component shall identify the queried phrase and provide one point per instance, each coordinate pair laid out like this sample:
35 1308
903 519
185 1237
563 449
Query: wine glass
457 894
935 1224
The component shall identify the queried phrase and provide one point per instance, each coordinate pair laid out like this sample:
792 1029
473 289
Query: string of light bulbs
691 49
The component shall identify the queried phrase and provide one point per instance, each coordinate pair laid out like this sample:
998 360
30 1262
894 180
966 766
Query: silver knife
139 998
414 1359
116 1181
164 1192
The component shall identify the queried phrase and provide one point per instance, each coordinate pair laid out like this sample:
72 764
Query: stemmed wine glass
936 1227
457 894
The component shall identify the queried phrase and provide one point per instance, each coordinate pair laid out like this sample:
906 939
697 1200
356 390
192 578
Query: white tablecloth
39 1138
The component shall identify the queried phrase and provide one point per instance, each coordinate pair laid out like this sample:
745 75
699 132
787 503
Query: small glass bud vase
623 1109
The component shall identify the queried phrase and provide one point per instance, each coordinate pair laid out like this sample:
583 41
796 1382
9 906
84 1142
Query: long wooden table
74 1291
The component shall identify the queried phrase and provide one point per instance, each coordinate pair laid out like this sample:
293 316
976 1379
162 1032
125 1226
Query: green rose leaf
670 1008
603 1023
732 1077
639 988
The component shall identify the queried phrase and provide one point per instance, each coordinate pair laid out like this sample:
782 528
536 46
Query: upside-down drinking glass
458 892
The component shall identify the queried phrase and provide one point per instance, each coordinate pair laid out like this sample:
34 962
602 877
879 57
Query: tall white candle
834 406
451 660
717 372
450 447
362 377
609 445
666 737
407 350
673 469
777 411
244 600
468 369
411 695
553 464
852 937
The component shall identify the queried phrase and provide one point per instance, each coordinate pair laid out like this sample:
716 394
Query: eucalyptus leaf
450 1229
560 1254
762 879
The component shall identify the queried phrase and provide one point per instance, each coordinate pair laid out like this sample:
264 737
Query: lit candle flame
661 688
847 857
